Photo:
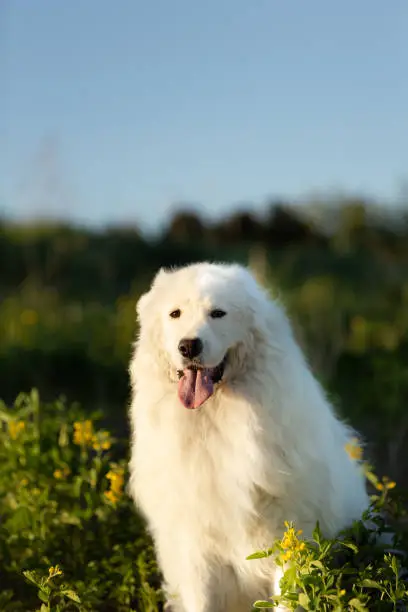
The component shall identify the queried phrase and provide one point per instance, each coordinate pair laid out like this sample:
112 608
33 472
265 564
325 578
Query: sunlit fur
218 482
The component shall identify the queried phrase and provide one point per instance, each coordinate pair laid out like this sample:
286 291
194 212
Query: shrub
70 538
67 525
362 569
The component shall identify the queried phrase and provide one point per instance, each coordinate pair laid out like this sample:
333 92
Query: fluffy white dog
232 436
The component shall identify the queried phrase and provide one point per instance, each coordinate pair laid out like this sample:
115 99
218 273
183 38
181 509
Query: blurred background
135 135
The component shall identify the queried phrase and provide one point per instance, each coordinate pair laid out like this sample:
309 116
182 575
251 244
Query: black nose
190 347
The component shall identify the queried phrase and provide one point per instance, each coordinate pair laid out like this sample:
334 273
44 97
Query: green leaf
4 416
304 600
394 565
264 604
31 576
43 596
317 564
350 545
68 519
356 604
290 576
371 584
260 554
20 519
35 398
71 595
316 533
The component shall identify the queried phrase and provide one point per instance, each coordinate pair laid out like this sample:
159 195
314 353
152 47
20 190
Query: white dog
232 436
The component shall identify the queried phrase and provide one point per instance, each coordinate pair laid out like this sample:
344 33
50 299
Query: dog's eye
176 314
217 313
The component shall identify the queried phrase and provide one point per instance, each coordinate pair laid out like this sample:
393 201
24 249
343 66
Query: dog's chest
199 465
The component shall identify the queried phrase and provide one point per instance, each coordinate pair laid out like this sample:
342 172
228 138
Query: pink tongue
195 387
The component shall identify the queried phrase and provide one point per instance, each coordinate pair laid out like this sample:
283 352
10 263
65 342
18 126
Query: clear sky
112 111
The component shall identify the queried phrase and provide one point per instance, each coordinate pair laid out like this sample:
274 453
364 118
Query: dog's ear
144 300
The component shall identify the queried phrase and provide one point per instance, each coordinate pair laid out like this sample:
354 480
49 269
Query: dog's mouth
196 383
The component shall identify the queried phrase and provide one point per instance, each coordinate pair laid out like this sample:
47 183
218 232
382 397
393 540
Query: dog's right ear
144 300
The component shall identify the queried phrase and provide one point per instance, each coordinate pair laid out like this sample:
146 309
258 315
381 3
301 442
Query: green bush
63 505
70 538
362 569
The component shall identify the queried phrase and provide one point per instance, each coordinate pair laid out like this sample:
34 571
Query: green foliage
359 570
62 503
352 572
70 538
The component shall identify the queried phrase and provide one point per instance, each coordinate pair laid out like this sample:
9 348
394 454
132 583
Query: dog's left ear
145 299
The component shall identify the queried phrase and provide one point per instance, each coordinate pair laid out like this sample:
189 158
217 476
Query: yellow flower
83 433
101 441
15 427
110 495
60 474
386 484
342 592
354 449
24 482
54 571
291 544
117 479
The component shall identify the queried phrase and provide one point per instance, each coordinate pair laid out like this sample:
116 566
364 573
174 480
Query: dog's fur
217 483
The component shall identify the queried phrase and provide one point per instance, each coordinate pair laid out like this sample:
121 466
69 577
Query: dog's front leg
190 584
191 596
197 597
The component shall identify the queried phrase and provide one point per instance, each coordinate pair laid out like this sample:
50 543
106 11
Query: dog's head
200 319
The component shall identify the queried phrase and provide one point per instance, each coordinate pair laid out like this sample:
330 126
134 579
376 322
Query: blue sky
114 111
